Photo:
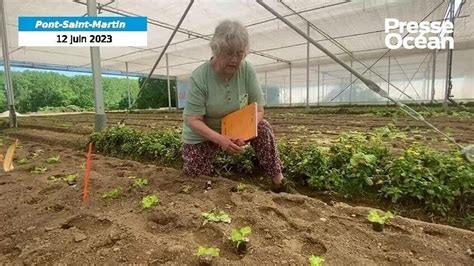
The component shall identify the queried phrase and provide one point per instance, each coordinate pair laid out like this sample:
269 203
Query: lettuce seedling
149 201
54 159
186 189
241 187
113 194
239 238
140 182
39 169
315 261
70 179
216 216
23 161
378 221
206 254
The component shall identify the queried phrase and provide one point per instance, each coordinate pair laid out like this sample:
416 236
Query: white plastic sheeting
358 25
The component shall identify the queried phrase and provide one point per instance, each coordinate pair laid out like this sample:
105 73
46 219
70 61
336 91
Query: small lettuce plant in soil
378 221
140 182
54 159
150 201
206 255
113 194
239 238
216 216
39 170
70 179
316 261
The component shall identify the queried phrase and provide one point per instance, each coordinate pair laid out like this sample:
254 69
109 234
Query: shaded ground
44 221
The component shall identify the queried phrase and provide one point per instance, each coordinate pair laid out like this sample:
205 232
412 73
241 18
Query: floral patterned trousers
198 158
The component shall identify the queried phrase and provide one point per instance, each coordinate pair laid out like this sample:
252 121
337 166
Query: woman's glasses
231 54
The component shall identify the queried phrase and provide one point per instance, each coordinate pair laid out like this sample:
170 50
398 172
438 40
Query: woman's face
229 59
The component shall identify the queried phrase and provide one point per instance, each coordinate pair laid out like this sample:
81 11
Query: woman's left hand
239 142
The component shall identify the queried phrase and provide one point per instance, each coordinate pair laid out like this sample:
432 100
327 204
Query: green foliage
54 159
23 161
242 163
205 251
350 166
39 169
390 111
113 194
437 180
140 182
355 164
155 94
237 236
241 187
150 201
62 109
3 98
50 91
216 216
70 179
316 261
375 217
162 146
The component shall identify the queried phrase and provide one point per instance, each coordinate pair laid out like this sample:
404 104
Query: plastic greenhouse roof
358 25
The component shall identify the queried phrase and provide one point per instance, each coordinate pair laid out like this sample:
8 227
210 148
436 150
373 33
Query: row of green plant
362 164
355 165
392 111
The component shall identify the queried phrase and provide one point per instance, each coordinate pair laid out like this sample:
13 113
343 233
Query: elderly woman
220 86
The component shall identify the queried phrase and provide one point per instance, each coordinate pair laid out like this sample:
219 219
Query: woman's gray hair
229 33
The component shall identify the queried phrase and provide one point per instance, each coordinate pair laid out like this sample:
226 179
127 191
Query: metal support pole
100 117
291 84
433 75
323 90
266 90
307 69
428 78
140 91
369 83
319 100
388 79
128 87
6 65
449 62
169 85
350 89
424 86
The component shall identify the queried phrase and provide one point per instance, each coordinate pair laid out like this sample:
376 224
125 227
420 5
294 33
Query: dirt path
43 221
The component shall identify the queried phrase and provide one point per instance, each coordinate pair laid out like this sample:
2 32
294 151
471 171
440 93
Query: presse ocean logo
431 35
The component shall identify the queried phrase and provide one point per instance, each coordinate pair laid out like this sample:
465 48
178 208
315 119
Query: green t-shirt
214 98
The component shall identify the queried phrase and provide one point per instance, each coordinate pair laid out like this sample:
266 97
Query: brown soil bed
44 221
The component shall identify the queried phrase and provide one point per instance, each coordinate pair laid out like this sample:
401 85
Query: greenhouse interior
361 148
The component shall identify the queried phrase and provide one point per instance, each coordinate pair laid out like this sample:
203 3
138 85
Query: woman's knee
198 159
264 126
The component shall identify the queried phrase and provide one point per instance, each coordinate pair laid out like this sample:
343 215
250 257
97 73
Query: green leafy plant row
354 165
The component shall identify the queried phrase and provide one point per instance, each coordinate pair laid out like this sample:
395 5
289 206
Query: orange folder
241 123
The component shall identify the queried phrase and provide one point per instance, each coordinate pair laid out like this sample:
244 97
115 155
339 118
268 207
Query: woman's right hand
227 144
